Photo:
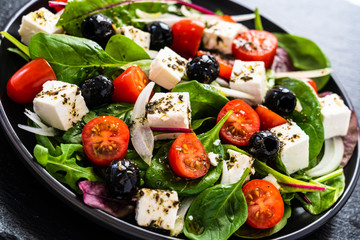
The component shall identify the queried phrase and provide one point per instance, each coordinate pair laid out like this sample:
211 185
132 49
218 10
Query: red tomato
105 139
311 82
225 67
227 18
187 34
60 7
265 205
128 86
241 124
255 45
28 80
268 119
187 156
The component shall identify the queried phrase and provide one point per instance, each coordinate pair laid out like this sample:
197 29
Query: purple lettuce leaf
350 140
282 61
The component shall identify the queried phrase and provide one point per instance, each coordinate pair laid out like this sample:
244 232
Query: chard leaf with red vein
65 167
94 195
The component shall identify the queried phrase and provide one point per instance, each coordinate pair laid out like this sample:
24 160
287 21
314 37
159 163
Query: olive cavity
263 145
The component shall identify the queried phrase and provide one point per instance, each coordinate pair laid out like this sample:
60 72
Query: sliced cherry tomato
128 86
265 205
105 139
255 45
227 18
268 118
58 8
187 156
225 67
241 124
28 80
187 34
311 82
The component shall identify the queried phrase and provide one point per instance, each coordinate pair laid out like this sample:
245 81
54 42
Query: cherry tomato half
265 205
241 124
225 68
255 45
28 80
187 34
128 86
105 139
311 82
187 156
268 118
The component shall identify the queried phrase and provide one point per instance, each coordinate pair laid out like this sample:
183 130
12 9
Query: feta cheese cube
219 35
41 20
336 116
250 77
294 150
60 104
169 110
167 68
157 208
139 37
237 164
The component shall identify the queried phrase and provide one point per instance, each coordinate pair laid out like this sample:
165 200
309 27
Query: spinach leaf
159 175
245 231
305 55
65 167
124 49
205 101
197 123
225 211
73 135
121 12
119 110
73 59
309 119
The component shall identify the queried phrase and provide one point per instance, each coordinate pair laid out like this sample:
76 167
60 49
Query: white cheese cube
139 37
219 35
157 208
249 77
60 104
294 142
270 178
167 68
336 116
169 110
237 165
41 20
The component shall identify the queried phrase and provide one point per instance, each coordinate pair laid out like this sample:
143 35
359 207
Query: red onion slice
185 130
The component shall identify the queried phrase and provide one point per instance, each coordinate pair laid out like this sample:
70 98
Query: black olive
263 145
161 35
122 179
97 91
204 68
280 100
98 28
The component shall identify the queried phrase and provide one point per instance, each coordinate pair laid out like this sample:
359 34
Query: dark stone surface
29 211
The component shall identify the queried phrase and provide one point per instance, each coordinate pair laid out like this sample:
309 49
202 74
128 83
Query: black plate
300 224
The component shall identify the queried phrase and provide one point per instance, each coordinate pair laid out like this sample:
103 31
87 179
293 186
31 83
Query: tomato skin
28 80
105 138
255 45
59 8
187 34
187 157
243 122
225 68
128 86
312 83
227 18
265 205
268 118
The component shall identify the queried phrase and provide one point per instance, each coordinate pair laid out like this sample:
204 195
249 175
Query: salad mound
180 118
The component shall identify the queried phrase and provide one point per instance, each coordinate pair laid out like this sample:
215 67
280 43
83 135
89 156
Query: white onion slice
234 93
142 137
304 74
35 118
49 131
225 178
222 82
243 17
180 216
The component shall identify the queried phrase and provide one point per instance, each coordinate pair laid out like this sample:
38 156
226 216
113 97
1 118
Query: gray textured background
333 24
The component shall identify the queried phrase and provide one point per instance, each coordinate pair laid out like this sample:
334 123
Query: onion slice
142 137
49 131
187 130
233 93
180 217
304 74
57 4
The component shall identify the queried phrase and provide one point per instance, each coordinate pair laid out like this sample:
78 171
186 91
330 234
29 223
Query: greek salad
182 119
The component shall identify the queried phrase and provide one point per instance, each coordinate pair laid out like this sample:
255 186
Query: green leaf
217 212
197 123
18 44
119 110
87 59
245 231
20 53
305 55
64 167
205 101
124 49
160 176
258 23
309 119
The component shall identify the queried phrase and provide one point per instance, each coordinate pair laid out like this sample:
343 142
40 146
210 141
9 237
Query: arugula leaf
124 49
226 211
205 101
65 167
18 44
309 119
305 55
87 59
